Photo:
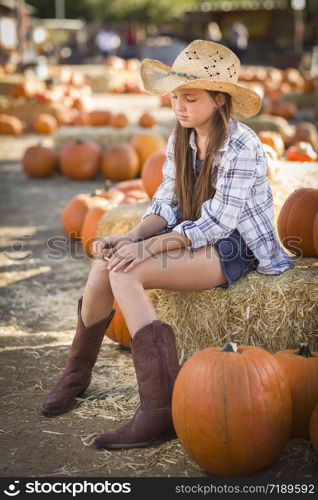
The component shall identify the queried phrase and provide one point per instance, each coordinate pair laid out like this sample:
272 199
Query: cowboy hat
202 65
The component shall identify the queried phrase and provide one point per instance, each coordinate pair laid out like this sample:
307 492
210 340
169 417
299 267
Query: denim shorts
236 258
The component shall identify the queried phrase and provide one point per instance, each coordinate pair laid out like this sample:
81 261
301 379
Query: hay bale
28 109
122 218
273 312
106 136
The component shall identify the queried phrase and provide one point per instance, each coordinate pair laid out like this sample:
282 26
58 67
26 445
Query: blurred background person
213 32
107 42
237 39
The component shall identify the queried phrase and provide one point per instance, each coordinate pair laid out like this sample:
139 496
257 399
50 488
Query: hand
131 254
103 248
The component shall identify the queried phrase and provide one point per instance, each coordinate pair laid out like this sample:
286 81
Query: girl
210 223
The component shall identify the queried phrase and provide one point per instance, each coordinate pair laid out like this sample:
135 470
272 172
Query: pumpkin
301 151
146 144
307 132
147 120
285 109
129 185
74 213
82 119
115 196
273 139
296 222
119 120
39 161
90 224
115 62
117 329
165 101
100 118
313 428
134 195
232 409
300 369
10 125
151 173
45 123
120 162
80 159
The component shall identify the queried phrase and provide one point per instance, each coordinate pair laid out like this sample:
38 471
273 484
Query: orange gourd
91 221
151 173
117 329
301 151
45 123
74 214
10 125
100 118
146 144
147 120
313 428
297 221
39 161
120 162
273 139
232 409
80 159
300 369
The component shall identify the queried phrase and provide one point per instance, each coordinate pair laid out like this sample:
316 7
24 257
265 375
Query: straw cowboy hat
202 65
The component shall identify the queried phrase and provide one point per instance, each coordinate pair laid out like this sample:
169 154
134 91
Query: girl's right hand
105 247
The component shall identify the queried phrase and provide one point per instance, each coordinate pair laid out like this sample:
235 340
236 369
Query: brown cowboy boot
156 363
80 361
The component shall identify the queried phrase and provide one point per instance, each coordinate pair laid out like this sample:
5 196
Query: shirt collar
232 127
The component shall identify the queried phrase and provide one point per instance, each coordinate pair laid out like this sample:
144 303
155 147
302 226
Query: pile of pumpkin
122 65
84 159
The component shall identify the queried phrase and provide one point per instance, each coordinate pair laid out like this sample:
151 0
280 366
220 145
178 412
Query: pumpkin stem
304 351
229 347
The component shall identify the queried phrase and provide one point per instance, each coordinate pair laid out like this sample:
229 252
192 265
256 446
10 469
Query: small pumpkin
10 125
117 329
300 369
74 214
232 409
285 109
297 222
146 144
120 162
45 123
273 139
134 195
115 196
100 118
301 151
313 428
80 159
39 161
151 173
119 120
147 120
90 224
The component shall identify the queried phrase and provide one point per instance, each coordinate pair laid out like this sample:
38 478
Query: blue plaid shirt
242 200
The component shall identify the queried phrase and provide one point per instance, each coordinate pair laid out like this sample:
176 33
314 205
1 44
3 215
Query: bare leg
174 270
98 297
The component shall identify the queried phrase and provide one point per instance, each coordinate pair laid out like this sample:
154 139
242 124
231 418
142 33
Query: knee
99 272
120 281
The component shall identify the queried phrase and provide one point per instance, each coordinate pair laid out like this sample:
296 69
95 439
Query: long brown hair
191 192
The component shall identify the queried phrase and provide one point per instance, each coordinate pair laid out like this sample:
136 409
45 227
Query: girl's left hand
131 254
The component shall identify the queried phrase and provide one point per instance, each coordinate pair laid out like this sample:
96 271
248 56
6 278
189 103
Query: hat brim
157 81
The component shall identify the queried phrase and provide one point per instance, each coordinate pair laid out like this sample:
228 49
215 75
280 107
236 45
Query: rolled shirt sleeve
163 203
220 215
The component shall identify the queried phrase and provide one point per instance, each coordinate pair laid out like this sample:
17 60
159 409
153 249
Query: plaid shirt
242 200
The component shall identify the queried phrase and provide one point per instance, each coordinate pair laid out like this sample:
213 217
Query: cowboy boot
156 363
80 361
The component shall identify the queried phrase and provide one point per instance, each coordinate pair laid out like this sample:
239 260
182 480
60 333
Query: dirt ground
40 286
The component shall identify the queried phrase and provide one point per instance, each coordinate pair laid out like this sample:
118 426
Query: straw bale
28 109
106 136
122 218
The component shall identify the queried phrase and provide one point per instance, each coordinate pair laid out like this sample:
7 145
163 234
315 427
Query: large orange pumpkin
91 221
232 409
10 125
296 222
74 214
118 330
39 161
146 144
300 369
151 173
120 162
45 123
80 159
273 139
301 151
313 428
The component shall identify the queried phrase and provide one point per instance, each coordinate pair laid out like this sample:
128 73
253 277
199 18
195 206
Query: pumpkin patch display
297 222
273 139
80 160
45 123
300 369
313 428
39 161
91 221
301 151
232 409
117 329
151 173
10 125
146 144
74 214
120 162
